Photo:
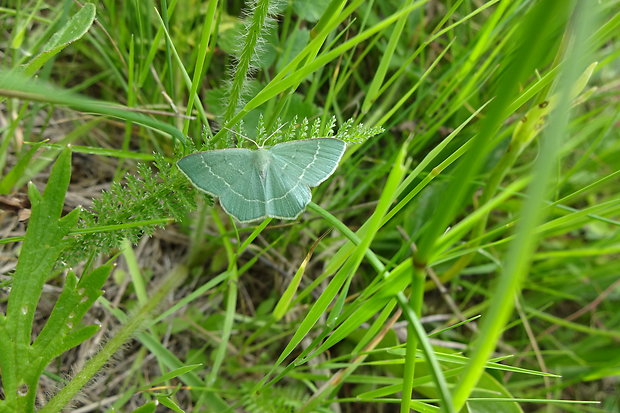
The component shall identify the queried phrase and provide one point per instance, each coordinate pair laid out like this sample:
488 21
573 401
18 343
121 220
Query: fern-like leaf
151 197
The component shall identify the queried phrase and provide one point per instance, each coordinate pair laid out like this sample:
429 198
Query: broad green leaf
75 28
60 332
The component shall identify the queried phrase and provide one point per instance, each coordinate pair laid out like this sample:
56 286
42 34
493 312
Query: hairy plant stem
254 31
133 324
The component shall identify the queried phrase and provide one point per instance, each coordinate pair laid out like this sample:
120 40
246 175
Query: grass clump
461 258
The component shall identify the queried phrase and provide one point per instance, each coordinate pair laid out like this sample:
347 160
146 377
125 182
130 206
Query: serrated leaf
75 300
34 195
77 337
42 246
56 188
75 28
53 329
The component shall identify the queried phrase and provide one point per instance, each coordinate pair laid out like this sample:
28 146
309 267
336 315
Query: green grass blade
200 67
521 251
373 89
18 86
74 29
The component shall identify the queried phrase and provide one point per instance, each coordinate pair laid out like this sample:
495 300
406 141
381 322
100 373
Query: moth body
262 159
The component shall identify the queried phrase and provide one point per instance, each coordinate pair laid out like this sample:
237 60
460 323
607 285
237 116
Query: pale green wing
310 161
232 176
251 185
285 196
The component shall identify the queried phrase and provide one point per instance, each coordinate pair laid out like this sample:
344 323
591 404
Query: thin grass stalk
188 82
146 64
231 301
165 20
200 67
418 276
373 90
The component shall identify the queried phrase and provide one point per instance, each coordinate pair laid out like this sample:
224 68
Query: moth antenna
243 136
273 133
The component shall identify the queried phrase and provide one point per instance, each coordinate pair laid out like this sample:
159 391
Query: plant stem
252 37
134 323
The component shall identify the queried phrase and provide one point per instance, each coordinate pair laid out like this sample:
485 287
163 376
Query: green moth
267 182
